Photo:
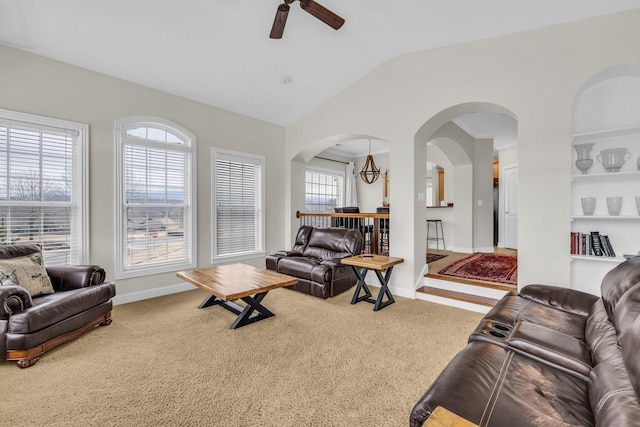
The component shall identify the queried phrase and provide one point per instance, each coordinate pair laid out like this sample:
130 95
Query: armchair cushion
27 271
54 308
68 277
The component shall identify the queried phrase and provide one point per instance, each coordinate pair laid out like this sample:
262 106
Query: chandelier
370 172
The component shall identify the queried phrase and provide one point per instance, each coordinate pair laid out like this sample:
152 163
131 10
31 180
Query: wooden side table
361 264
441 417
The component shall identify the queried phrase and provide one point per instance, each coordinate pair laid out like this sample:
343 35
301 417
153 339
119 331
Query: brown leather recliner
315 260
30 326
549 356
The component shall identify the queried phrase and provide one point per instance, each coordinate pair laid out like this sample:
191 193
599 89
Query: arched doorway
470 137
332 154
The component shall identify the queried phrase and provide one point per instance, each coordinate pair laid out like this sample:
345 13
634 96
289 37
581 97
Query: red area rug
434 257
487 267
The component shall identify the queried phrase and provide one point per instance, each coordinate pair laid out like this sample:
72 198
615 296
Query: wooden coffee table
361 264
230 282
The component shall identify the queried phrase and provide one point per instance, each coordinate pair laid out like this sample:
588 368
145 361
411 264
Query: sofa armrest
271 261
66 278
565 299
13 299
332 262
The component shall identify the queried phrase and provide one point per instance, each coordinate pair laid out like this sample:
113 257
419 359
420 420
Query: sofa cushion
630 344
600 334
27 271
53 308
493 386
618 281
326 243
302 240
627 310
300 267
612 398
514 308
551 346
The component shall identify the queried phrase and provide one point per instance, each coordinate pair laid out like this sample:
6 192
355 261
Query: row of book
592 243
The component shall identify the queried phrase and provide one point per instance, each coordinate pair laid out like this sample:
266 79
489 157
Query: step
488 285
458 296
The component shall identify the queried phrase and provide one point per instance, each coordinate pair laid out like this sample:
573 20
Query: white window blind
155 224
238 204
43 185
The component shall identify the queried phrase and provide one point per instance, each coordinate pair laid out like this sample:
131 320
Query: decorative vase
588 205
613 158
584 161
614 205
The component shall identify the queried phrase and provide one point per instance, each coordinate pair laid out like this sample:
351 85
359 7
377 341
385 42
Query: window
323 193
43 184
155 203
238 204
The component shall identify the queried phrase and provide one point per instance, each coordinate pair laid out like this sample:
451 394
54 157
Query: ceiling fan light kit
310 6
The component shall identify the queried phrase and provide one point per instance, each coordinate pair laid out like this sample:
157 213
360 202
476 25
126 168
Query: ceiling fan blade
322 13
278 23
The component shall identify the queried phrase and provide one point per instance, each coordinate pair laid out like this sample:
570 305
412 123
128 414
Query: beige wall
38 85
533 75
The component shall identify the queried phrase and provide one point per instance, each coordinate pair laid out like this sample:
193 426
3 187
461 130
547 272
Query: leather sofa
549 356
315 260
29 326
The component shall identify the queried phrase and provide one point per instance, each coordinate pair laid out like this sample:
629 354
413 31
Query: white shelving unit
623 230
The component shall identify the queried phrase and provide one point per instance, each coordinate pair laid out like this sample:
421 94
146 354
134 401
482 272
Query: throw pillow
27 271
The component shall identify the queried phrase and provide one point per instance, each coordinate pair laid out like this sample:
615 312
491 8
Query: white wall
483 196
533 75
38 85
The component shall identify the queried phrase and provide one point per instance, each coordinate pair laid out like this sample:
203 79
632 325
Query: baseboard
462 250
395 291
487 250
151 293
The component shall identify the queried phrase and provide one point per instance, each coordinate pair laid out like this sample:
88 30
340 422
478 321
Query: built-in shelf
615 260
605 135
606 217
606 176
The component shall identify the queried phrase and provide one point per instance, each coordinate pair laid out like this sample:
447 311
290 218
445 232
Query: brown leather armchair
315 260
30 326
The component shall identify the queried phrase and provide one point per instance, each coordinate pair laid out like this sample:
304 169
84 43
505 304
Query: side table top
376 262
234 281
441 417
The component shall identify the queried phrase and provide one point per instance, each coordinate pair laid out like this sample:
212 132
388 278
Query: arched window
155 197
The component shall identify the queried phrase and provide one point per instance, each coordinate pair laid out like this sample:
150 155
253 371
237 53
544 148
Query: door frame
505 197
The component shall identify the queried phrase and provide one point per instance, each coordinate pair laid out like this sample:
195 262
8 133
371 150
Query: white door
511 207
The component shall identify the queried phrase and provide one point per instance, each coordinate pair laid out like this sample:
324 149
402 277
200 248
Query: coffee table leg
245 314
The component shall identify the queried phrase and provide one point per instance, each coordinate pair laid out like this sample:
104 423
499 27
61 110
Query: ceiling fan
317 10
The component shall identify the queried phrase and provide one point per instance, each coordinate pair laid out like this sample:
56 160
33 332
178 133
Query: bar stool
439 235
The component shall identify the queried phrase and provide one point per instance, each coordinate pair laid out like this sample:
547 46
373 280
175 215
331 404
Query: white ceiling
219 52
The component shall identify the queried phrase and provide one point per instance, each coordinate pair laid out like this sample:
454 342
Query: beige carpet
163 362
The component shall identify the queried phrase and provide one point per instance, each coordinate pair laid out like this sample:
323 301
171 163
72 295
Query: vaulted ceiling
219 52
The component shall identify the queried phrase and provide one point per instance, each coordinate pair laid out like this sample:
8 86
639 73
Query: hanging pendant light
369 172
